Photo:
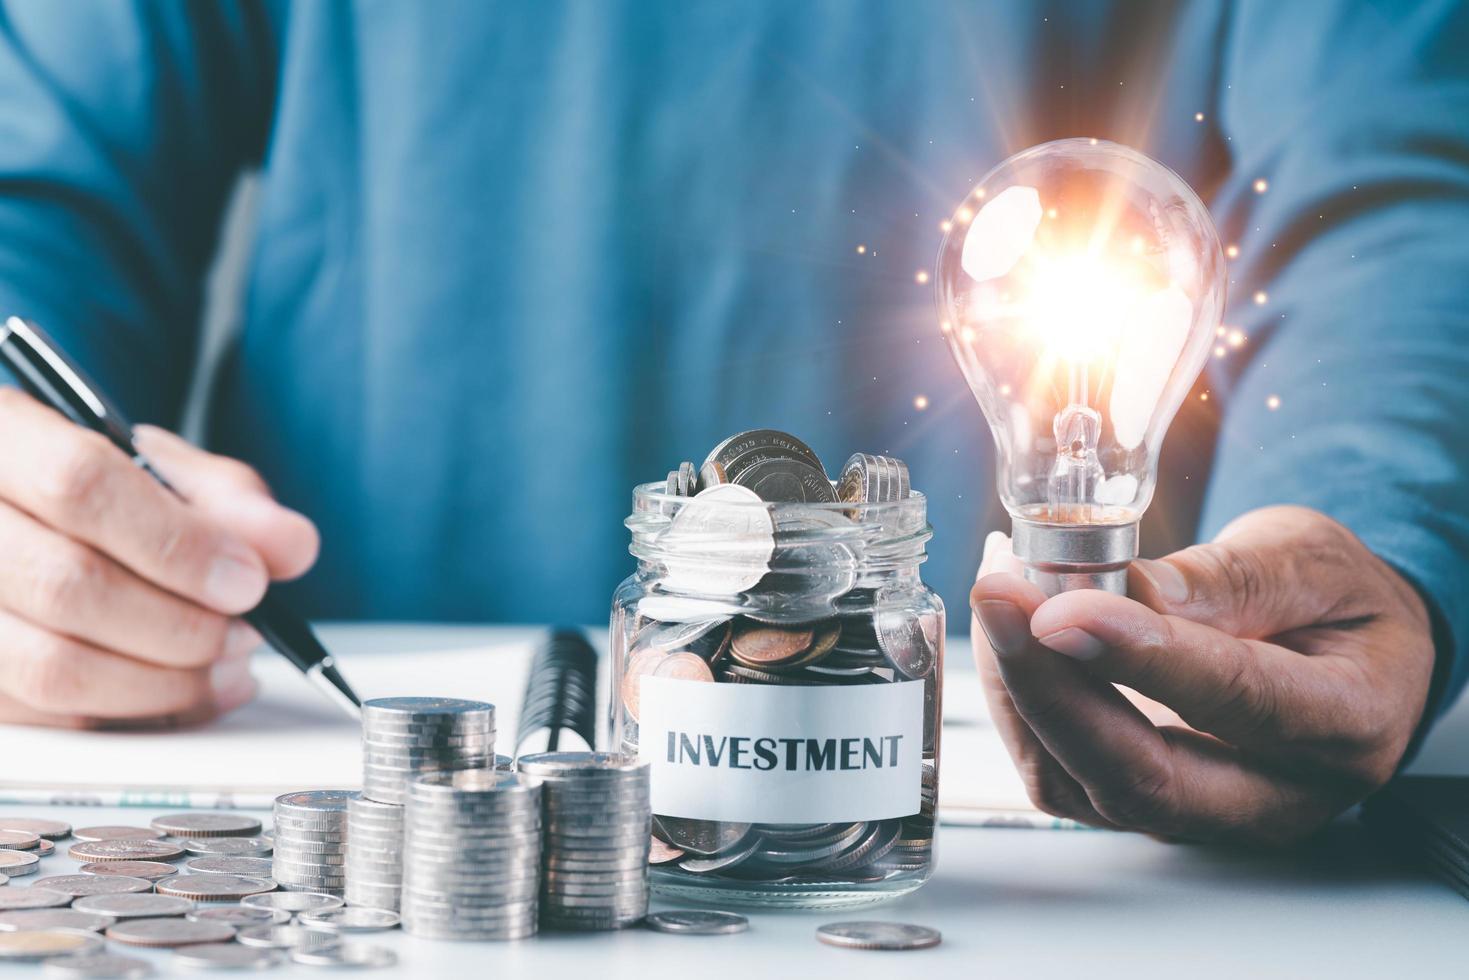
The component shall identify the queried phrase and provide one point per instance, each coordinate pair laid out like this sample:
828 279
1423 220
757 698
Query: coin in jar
660 852
878 935
719 543
705 838
755 645
97 966
113 832
684 666
169 932
151 870
76 886
214 887
193 825
787 481
907 638
125 850
697 922
745 449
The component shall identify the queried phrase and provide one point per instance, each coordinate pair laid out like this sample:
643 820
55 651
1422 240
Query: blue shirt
512 258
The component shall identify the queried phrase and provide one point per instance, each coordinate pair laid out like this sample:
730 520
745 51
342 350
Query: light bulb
1079 287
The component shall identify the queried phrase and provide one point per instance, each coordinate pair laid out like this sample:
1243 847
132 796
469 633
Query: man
510 260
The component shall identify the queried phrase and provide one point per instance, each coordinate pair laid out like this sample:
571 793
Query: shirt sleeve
1348 127
122 128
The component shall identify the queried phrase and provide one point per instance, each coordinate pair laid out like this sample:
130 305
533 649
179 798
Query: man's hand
1297 660
117 600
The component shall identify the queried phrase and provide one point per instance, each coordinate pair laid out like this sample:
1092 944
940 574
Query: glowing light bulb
1080 336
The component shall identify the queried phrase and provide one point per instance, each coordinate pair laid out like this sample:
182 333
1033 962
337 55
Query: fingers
85 488
54 677
1247 692
66 587
232 495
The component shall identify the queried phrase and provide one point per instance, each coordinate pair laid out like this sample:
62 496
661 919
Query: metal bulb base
1064 557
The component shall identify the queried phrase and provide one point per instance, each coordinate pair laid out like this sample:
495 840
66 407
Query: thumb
233 495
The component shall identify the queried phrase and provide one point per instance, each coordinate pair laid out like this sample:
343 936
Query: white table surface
1023 903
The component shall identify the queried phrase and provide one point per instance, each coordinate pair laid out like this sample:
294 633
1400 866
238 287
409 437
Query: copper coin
76 886
14 863
125 850
45 848
32 898
661 853
18 840
214 887
770 646
147 870
684 666
115 833
639 665
49 829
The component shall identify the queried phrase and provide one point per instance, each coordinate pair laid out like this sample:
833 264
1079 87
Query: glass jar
780 665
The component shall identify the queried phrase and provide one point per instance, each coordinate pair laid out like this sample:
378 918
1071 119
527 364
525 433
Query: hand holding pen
121 596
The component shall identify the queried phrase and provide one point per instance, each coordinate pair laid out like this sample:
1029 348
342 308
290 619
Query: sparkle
964 215
1232 251
921 402
1094 141
1236 337
967 334
1051 213
1261 185
1198 117
946 326
861 249
1004 390
1220 351
1261 297
920 277
946 226
1220 331
979 193
1137 244
1203 396
1273 402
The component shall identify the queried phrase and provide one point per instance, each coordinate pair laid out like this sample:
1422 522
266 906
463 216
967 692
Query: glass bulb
1079 287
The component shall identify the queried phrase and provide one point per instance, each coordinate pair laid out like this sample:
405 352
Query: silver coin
97 966
787 481
350 919
727 859
360 955
285 937
229 864
19 840
243 846
53 918
423 707
77 886
213 887
238 915
316 801
169 932
135 906
292 901
112 832
705 838
195 825
745 449
226 956
125 850
150 870
13 864
720 543
908 639
697 922
31 945
878 935
48 829
33 898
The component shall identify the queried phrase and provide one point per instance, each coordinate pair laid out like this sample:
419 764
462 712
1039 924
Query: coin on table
226 956
125 850
19 840
97 966
293 901
697 922
78 885
238 915
150 870
55 918
720 543
48 829
30 945
241 846
33 898
353 918
193 825
15 863
360 955
142 905
45 848
230 864
115 833
286 937
878 935
169 932
213 887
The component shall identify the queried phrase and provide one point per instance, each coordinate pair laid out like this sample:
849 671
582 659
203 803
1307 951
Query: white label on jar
761 753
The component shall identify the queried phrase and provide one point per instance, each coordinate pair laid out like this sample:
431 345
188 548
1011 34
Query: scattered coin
16 863
53 918
97 966
195 825
697 922
75 886
33 898
229 864
292 901
150 870
142 905
20 840
286 937
238 915
45 848
213 887
226 956
48 829
169 932
242 846
120 849
878 935
353 918
31 945
115 833
360 955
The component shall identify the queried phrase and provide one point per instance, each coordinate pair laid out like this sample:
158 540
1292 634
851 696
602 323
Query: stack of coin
597 818
374 853
473 854
403 737
311 840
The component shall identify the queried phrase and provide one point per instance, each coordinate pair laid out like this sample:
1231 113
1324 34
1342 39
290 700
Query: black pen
50 377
